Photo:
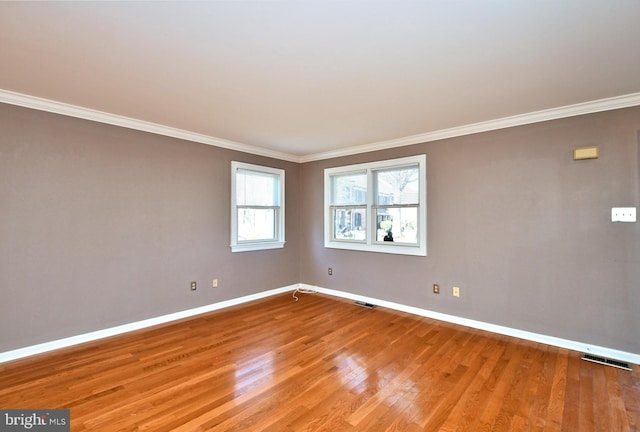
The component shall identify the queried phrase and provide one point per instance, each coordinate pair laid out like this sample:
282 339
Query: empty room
320 216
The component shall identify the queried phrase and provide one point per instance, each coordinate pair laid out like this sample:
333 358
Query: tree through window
378 206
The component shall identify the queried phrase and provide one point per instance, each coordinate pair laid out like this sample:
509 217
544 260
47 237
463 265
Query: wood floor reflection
322 364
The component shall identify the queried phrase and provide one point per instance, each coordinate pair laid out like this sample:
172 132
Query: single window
257 207
378 206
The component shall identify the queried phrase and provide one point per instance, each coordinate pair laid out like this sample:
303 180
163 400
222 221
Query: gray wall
514 221
102 226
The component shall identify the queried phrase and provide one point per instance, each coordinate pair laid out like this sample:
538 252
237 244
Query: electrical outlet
456 291
215 283
330 271
623 214
436 289
193 286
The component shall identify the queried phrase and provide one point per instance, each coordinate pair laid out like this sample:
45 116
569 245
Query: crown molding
41 104
47 105
600 105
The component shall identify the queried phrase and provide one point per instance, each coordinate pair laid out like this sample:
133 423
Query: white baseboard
507 331
113 331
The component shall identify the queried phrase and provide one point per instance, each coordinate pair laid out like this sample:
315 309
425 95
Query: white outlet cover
623 214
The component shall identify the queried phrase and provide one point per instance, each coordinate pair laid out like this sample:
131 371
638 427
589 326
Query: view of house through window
396 204
349 199
378 207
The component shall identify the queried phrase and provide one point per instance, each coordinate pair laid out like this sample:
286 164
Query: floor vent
364 304
606 361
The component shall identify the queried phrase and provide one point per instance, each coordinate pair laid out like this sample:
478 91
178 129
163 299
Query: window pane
399 225
349 189
257 189
350 224
397 186
256 224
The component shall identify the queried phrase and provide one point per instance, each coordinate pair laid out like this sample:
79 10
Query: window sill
245 247
380 248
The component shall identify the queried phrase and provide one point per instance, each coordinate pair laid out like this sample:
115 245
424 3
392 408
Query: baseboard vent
365 304
606 361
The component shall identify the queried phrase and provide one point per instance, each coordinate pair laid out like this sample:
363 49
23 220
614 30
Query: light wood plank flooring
322 364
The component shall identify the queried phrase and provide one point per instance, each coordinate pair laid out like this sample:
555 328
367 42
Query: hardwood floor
322 364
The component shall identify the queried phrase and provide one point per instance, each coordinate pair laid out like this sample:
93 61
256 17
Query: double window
378 206
257 207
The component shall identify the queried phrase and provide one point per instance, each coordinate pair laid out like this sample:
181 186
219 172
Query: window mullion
396 206
371 227
258 207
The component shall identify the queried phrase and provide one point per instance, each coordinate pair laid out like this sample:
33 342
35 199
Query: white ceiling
307 78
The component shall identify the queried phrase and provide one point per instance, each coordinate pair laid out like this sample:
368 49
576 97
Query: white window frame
279 240
371 244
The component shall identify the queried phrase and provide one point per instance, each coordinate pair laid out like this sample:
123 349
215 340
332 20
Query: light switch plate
623 214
